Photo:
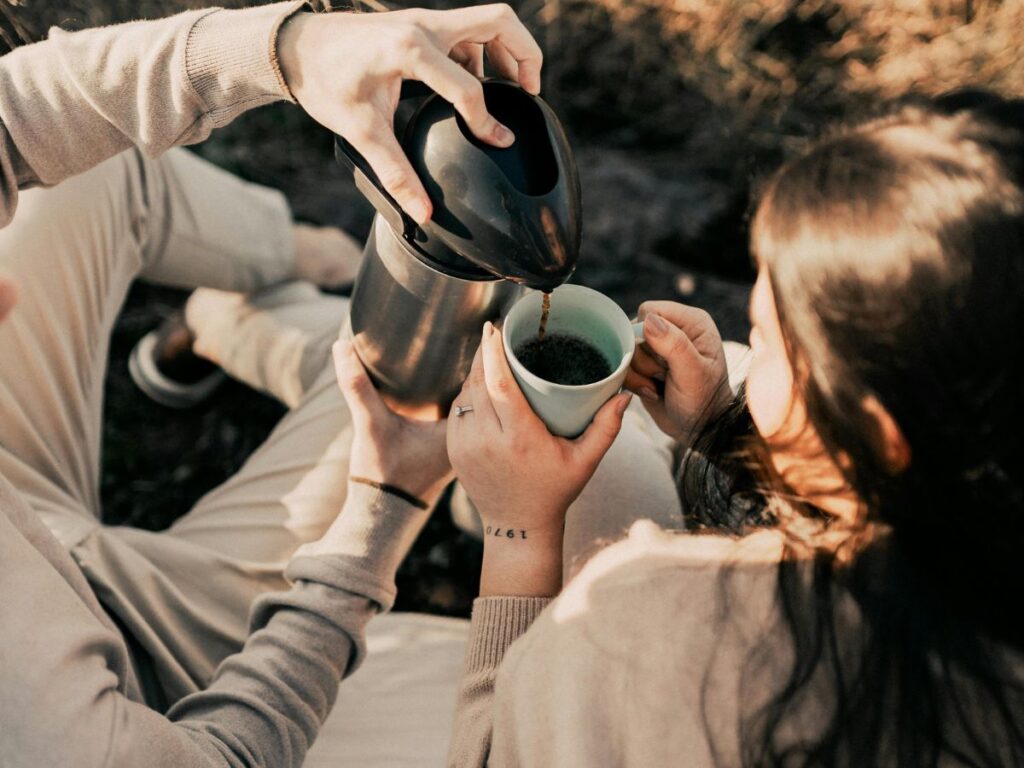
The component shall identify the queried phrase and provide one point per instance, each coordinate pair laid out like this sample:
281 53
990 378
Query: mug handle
638 331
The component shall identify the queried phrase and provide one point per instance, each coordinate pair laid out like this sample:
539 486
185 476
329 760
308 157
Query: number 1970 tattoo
508 533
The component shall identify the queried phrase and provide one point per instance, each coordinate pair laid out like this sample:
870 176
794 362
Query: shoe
166 369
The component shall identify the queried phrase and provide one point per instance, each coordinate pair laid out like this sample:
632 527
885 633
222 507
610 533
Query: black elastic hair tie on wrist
394 490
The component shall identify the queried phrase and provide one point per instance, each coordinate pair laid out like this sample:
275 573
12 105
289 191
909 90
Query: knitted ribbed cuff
231 59
364 546
497 623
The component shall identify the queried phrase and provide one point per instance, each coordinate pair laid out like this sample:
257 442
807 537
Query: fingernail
419 211
655 325
623 403
648 394
488 329
503 136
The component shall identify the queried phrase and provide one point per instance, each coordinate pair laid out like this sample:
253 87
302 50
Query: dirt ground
675 111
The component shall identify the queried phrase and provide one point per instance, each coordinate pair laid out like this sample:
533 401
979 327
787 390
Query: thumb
669 342
361 396
595 442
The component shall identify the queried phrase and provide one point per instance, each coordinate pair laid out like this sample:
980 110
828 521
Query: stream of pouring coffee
544 312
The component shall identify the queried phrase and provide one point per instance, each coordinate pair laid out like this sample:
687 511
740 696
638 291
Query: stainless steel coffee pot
502 219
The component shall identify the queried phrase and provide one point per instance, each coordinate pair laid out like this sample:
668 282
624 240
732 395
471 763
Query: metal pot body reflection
415 328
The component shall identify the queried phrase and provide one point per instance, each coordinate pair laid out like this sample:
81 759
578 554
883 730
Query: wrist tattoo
505 533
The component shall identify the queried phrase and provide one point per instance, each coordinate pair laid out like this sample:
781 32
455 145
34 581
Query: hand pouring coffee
503 218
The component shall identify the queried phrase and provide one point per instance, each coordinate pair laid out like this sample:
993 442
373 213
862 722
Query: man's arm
62 700
76 99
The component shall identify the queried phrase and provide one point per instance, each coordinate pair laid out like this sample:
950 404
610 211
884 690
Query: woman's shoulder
693 550
681 590
672 564
635 640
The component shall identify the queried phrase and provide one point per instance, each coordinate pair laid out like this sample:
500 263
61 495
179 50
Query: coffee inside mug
564 359
580 314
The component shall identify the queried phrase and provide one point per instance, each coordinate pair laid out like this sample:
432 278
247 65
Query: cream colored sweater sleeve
76 99
497 622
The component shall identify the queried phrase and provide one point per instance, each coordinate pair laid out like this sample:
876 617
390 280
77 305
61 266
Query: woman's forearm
521 563
497 623
522 571
76 99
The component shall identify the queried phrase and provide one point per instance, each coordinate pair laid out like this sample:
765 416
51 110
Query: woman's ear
8 296
895 448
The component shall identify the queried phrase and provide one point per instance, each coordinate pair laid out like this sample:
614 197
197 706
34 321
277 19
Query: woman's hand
387 448
520 477
346 71
680 371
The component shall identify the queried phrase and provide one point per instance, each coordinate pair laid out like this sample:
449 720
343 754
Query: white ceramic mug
566 409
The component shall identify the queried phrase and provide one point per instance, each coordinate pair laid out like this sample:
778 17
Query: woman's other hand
680 371
388 448
520 477
346 71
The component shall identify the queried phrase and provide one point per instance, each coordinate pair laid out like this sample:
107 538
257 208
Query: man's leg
293 486
74 251
635 481
185 593
275 340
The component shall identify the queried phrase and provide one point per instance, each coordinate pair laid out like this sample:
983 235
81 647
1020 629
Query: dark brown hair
895 249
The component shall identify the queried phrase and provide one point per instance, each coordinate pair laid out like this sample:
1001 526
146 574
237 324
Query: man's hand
346 71
386 447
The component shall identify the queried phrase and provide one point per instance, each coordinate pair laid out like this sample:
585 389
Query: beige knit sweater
650 658
72 101
639 662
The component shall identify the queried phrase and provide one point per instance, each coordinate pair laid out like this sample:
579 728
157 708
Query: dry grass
721 78
763 73
762 60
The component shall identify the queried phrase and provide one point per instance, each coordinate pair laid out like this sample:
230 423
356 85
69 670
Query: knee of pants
635 481
203 226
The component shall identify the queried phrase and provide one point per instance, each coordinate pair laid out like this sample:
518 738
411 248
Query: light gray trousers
184 593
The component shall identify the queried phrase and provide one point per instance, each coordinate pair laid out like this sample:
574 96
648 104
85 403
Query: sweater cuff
364 546
497 623
231 59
